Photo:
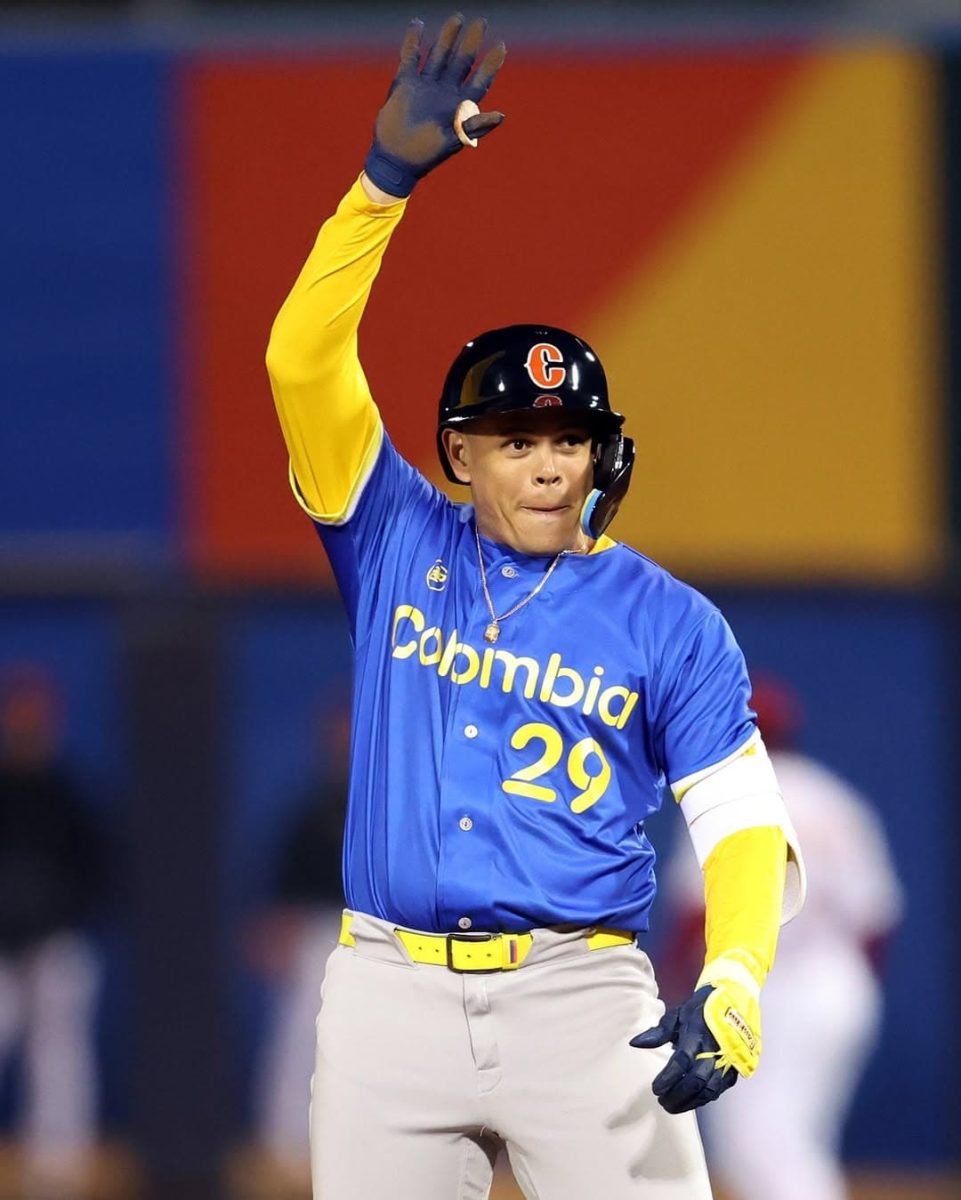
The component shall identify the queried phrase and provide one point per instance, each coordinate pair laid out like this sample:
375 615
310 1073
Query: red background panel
600 159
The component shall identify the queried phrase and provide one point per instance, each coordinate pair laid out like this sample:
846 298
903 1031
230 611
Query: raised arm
329 421
328 417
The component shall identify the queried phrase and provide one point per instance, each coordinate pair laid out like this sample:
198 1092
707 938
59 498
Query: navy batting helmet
526 367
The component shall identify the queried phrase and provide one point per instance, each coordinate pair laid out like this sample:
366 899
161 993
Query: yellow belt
479 951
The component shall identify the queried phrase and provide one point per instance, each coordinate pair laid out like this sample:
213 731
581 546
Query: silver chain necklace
493 630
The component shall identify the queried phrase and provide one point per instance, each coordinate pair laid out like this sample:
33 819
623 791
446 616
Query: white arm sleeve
741 792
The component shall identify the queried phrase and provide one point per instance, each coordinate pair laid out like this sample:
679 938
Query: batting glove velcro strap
414 131
695 1074
733 1014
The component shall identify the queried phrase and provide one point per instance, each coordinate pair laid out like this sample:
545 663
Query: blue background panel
85 326
287 665
874 679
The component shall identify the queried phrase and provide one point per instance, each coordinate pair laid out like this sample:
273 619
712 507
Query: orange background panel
562 216
781 355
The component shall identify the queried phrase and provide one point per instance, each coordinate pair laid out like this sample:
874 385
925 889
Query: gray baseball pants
422 1074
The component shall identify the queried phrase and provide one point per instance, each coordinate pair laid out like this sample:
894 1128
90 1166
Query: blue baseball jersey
506 786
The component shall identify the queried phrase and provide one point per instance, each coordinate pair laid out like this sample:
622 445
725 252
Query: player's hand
699 1070
414 131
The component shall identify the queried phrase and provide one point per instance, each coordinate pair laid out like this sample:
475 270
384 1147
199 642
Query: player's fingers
656 1036
718 1083
686 1091
697 1044
441 50
482 124
470 43
410 49
483 77
677 1067
684 1098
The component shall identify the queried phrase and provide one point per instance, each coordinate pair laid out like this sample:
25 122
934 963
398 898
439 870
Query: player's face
529 474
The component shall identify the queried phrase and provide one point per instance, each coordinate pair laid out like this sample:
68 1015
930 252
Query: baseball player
525 686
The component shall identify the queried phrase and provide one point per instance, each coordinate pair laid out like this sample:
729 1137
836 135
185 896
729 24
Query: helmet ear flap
613 464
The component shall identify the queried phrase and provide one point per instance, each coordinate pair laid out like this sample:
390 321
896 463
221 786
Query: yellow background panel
778 364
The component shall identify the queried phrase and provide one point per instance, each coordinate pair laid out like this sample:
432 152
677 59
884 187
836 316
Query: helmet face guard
529 367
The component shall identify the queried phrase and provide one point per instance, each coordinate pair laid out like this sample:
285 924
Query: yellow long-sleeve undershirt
743 891
329 420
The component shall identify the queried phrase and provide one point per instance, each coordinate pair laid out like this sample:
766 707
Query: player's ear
458 453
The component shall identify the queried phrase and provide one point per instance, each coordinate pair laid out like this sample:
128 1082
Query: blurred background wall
753 212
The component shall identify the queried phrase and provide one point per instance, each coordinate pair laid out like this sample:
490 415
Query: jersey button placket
463 860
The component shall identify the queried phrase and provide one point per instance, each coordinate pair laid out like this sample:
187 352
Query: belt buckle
468 937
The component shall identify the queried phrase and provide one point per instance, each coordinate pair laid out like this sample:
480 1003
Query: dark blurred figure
290 943
777 1136
51 877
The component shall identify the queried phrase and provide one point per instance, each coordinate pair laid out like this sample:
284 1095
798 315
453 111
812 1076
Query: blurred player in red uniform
779 1139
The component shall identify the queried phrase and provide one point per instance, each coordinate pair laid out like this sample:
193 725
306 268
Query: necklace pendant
492 632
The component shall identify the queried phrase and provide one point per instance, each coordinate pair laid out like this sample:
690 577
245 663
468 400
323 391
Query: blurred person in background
779 1138
289 944
51 871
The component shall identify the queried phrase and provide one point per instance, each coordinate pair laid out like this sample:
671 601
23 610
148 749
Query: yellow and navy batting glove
716 1034
733 1013
414 131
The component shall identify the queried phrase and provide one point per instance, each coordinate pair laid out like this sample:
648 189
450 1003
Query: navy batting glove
414 131
690 1078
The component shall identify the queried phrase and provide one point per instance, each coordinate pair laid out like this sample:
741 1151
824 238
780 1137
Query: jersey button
466 824
470 731
464 923
509 572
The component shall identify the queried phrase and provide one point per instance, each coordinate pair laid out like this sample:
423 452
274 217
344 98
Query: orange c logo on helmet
543 365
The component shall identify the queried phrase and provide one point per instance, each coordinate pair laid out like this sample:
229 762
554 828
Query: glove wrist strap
390 174
729 968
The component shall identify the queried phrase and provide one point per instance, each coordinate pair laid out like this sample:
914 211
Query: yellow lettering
550 675
406 612
521 783
617 719
628 709
473 664
450 653
594 785
577 688
592 689
429 657
564 687
486 663
511 663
